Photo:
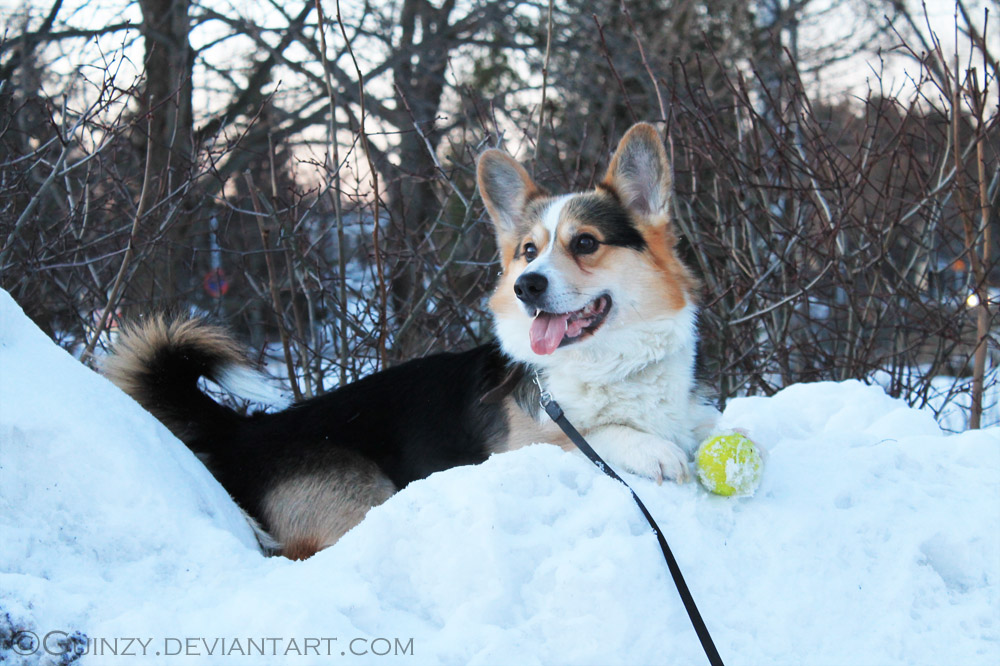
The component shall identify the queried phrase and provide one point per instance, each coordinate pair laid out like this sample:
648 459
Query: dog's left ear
640 173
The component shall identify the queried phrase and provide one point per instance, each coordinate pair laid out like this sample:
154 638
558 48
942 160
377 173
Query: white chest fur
641 377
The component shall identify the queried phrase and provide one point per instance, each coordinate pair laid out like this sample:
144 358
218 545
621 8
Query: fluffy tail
158 362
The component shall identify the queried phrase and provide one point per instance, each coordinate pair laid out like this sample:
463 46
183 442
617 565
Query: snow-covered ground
874 539
950 398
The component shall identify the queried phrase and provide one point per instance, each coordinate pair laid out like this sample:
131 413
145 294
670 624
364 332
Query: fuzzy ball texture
729 464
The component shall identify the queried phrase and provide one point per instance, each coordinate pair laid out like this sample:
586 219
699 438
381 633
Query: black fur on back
411 420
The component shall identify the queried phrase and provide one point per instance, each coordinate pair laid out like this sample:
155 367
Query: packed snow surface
873 539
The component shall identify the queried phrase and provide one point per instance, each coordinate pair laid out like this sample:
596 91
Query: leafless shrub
834 241
829 240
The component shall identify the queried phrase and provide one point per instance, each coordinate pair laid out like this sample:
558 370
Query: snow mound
873 539
94 493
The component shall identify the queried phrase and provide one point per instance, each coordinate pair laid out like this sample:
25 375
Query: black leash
553 409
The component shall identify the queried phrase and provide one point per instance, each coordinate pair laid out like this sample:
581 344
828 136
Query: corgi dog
593 304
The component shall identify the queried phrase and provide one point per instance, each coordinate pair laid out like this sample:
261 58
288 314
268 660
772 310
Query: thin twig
545 87
140 211
379 269
982 278
642 56
611 65
335 192
265 235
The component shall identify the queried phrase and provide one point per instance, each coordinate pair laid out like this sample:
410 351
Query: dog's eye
529 251
584 244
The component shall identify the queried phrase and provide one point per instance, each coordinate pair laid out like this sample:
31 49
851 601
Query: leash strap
553 409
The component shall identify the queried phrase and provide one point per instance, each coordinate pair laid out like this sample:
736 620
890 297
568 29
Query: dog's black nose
530 287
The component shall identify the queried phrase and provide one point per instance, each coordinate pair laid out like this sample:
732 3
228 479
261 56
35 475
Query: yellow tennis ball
729 464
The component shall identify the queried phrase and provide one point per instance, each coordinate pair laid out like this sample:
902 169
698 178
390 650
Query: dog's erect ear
640 173
506 188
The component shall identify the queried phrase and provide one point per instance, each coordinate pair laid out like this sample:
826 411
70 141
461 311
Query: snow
873 539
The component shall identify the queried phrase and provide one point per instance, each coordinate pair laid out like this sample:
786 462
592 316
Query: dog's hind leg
309 510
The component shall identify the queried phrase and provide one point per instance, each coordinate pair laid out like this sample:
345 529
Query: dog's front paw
659 459
643 454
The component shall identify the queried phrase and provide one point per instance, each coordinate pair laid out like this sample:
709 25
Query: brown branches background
324 204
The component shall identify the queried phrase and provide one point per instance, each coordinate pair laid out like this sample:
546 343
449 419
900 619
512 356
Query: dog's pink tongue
547 331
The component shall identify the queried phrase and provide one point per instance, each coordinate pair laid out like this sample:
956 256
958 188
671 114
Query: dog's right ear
506 189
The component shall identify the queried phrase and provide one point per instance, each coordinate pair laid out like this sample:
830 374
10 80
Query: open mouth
551 330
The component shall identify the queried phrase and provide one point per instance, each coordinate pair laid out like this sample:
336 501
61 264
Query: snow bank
873 539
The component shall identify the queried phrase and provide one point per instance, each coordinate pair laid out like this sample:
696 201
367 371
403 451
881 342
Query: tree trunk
419 81
167 100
